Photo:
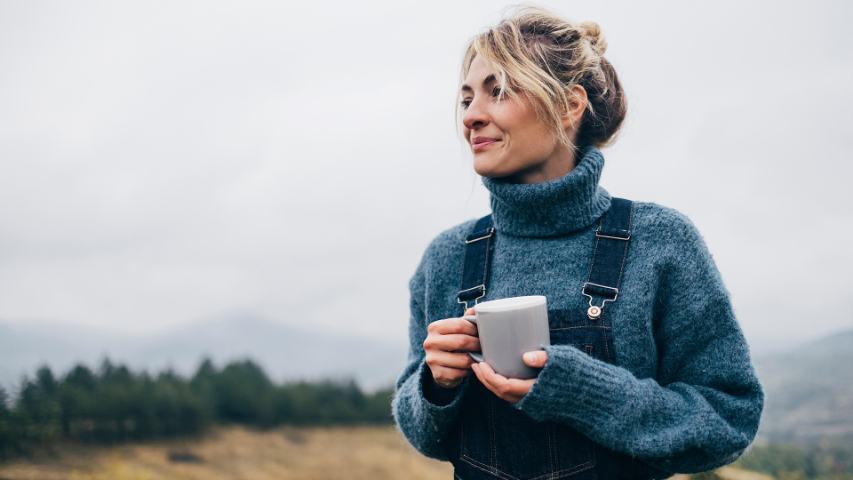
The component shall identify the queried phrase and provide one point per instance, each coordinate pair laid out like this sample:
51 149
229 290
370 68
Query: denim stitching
494 458
552 445
607 338
605 327
592 263
566 471
491 470
487 261
462 449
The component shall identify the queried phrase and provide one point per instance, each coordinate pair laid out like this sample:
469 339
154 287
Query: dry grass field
236 453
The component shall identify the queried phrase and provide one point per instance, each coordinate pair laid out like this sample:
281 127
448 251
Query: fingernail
531 356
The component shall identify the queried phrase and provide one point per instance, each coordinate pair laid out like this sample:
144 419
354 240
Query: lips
482 140
483 145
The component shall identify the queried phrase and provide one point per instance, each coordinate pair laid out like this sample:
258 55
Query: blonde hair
541 55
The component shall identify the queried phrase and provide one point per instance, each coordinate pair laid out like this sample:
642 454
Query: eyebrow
490 79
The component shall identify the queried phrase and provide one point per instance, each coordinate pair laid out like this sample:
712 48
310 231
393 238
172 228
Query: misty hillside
285 352
809 390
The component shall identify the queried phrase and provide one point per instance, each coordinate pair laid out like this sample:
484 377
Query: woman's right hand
446 347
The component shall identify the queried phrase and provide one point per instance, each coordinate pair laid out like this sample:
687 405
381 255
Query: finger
448 374
471 328
478 370
536 358
489 374
520 387
505 386
452 325
452 342
449 359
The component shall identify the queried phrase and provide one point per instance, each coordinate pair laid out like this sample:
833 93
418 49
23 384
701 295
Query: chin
489 169
493 171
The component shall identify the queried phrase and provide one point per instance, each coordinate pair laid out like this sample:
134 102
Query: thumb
536 358
470 311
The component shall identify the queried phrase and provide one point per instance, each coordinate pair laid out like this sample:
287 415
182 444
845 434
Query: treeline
114 403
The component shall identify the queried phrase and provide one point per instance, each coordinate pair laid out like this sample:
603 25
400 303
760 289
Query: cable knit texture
683 395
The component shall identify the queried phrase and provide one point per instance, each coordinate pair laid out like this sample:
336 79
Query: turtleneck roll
555 207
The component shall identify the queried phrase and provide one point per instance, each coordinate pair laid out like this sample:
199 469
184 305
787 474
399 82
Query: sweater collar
554 207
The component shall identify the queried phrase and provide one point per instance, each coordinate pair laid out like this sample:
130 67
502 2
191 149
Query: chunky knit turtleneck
682 396
554 207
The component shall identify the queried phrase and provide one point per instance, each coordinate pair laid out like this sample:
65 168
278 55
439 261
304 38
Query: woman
648 372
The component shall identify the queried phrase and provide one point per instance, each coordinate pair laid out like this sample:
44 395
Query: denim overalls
494 440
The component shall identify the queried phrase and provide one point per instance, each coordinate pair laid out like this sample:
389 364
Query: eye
465 103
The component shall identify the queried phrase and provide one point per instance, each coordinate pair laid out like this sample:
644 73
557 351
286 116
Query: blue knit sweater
683 395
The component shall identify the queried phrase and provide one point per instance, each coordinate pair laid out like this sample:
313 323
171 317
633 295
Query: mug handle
477 356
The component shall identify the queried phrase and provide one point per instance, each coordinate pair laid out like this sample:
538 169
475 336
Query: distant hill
285 352
809 390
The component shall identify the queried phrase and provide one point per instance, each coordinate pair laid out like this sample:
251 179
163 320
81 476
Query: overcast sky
167 162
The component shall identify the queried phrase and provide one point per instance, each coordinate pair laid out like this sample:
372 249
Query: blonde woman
648 372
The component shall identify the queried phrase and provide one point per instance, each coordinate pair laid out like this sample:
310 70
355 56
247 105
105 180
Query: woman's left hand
509 389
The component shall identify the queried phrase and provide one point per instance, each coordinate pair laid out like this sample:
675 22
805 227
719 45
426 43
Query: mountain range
808 390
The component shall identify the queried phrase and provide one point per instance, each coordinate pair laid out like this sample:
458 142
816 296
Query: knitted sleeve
423 411
702 410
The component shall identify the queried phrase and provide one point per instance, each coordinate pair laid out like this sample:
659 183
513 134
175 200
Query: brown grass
237 453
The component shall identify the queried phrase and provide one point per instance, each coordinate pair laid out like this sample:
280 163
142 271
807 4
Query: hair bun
592 32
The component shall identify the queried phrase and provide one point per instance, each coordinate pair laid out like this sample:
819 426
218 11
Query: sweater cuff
437 397
575 386
435 393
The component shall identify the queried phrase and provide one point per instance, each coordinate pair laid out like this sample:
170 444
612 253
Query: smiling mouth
483 145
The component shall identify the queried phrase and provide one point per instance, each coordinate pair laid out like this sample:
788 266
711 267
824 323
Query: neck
557 206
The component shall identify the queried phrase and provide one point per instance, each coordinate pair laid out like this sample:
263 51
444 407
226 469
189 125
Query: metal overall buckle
465 302
594 311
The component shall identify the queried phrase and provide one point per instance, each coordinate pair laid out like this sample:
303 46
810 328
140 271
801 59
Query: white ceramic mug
509 327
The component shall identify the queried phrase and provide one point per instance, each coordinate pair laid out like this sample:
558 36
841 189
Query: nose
474 116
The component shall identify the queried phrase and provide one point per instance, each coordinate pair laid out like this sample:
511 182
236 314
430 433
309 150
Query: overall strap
478 252
608 259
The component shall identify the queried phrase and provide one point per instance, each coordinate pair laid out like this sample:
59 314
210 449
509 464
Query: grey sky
163 162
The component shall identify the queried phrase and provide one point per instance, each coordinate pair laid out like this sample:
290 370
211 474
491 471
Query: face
506 137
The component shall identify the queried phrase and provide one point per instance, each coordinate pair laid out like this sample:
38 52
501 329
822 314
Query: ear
577 105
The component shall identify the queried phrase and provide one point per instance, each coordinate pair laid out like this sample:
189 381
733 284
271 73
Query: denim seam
494 458
566 471
552 432
582 326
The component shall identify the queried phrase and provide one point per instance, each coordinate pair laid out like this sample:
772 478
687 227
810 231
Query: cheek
530 142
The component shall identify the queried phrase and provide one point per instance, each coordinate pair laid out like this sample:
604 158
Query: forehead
480 73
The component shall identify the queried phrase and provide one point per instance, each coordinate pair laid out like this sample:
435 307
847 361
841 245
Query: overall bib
492 439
